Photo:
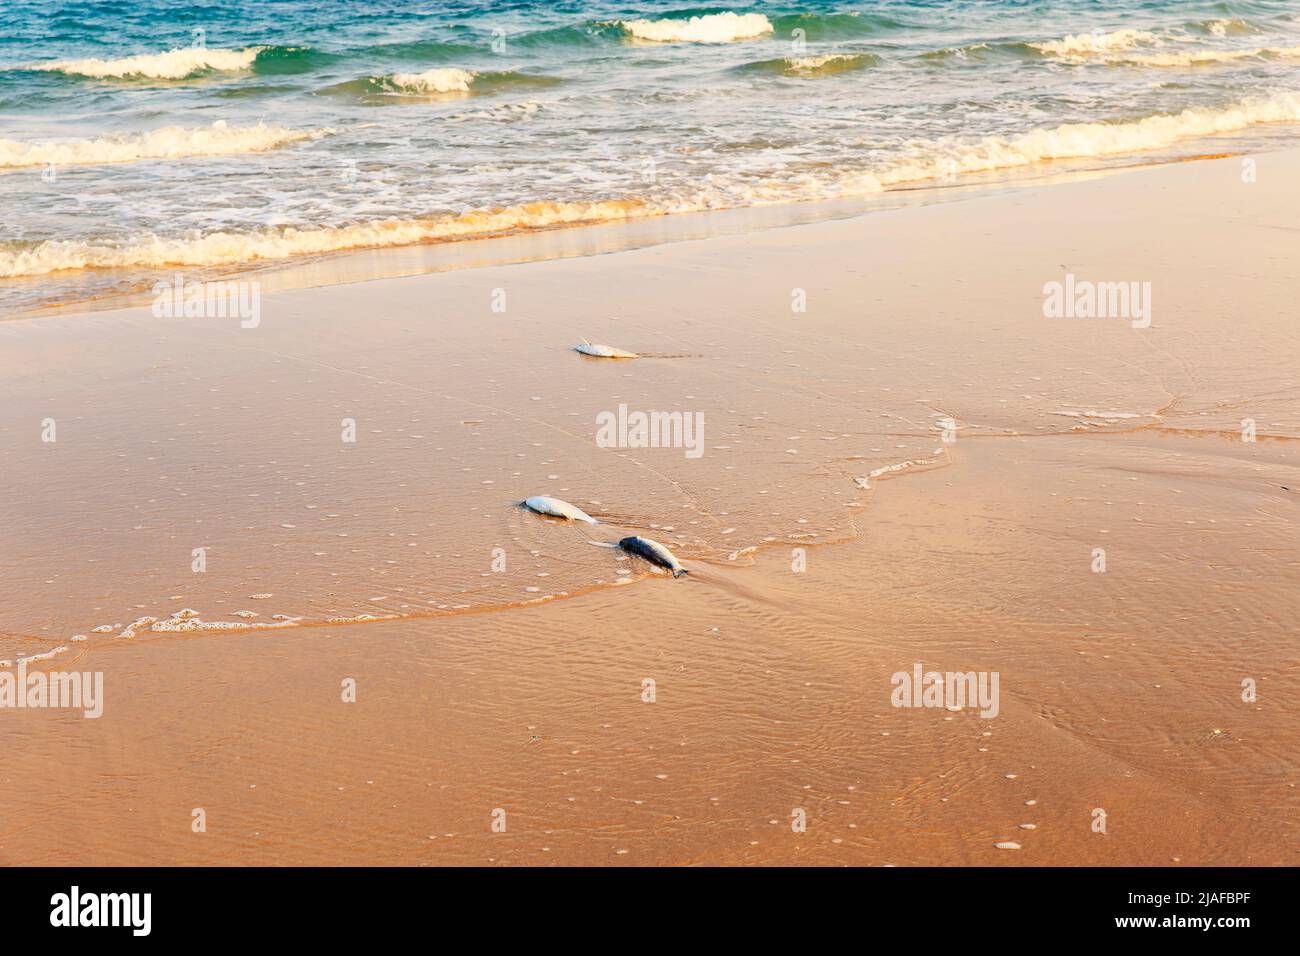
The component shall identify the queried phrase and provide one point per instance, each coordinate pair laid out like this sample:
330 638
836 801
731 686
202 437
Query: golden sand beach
904 460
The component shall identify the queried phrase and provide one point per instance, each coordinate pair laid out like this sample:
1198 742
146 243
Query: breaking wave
711 28
229 248
1203 57
1082 44
937 160
812 66
171 142
1083 140
172 65
1223 27
444 80
440 80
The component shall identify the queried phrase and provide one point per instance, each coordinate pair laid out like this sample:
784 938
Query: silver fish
546 505
654 552
603 351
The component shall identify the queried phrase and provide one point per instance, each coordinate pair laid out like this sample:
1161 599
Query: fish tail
678 573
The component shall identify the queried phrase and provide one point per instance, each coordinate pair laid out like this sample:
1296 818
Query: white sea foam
499 112
939 159
900 466
1201 57
442 80
1088 43
224 247
171 142
960 52
172 65
827 63
1081 140
1108 416
713 28
179 624
48 655
1224 27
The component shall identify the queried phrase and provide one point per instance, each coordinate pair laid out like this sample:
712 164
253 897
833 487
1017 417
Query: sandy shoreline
101 289
1120 690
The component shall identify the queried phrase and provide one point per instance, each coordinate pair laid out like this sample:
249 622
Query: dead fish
603 351
546 505
654 552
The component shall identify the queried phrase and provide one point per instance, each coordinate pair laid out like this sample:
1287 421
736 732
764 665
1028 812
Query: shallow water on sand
460 413
772 693
819 566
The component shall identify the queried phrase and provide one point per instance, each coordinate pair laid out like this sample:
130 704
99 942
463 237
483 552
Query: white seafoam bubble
441 80
1118 48
1200 57
711 28
171 65
824 64
170 142
1084 43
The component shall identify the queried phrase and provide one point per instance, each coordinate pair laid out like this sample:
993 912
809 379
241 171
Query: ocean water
146 135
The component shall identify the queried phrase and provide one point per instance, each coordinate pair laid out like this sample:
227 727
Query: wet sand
521 689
